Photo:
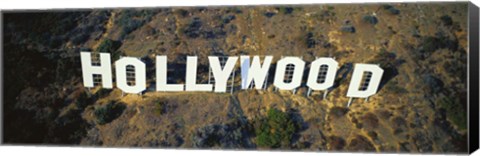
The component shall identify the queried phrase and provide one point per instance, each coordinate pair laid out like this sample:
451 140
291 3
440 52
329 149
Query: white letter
105 69
329 78
161 74
221 76
358 74
255 71
140 74
296 76
191 77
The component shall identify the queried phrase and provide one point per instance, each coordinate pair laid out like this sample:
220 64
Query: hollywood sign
251 71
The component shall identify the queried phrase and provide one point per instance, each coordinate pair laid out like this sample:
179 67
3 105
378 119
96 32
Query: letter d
375 73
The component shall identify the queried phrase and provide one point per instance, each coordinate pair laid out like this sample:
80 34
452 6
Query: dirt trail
107 30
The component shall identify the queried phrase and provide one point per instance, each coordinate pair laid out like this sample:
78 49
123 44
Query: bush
269 14
360 143
182 12
101 93
335 143
338 112
163 106
347 28
370 121
193 29
447 20
276 130
108 113
310 40
228 19
394 11
430 44
391 9
285 10
80 38
433 84
110 46
83 100
107 45
399 121
455 111
373 135
370 19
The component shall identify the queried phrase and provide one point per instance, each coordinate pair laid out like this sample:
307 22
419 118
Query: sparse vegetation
163 106
395 88
131 20
196 29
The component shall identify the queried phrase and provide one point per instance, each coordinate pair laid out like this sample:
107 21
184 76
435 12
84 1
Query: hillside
420 106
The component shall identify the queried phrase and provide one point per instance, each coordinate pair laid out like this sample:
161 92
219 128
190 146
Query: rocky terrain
420 106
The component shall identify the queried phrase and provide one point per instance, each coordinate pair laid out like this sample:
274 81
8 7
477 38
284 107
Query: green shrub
101 93
108 113
360 143
161 107
392 10
338 112
447 20
348 28
336 143
286 10
276 130
370 19
111 47
83 100
108 45
430 44
455 111
370 121
310 40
